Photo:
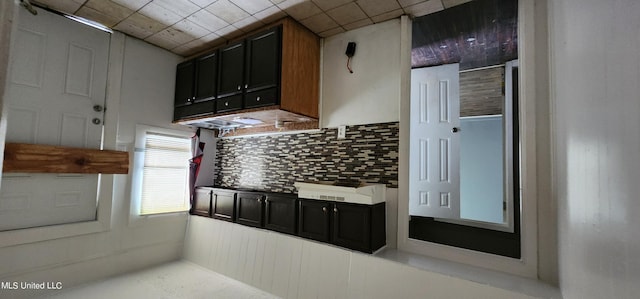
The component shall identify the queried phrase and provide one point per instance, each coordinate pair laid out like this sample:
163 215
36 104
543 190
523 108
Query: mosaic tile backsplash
369 153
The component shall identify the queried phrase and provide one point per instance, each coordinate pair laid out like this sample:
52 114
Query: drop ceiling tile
66 6
406 3
329 4
424 8
97 16
270 14
249 23
191 28
208 20
319 23
331 32
132 4
300 9
252 6
387 16
203 3
452 3
377 7
190 48
276 2
160 14
229 32
139 25
182 8
169 38
227 11
109 12
211 37
347 14
358 24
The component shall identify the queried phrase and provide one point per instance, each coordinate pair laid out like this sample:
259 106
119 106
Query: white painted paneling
372 93
292 267
595 70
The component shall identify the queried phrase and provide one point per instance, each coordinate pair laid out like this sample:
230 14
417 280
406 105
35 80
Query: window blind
165 174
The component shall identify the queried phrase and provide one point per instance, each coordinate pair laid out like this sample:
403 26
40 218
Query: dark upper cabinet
281 213
314 220
263 60
231 70
223 205
250 208
202 202
184 89
206 77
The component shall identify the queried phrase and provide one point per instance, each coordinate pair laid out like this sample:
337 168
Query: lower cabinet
202 202
223 205
354 226
250 208
314 220
281 212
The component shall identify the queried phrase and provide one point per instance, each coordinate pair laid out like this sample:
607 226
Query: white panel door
57 75
434 179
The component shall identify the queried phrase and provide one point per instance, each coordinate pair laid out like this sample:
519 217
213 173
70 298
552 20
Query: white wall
372 93
146 96
595 71
292 267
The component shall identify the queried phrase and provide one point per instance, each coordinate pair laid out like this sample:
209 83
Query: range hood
260 120
360 193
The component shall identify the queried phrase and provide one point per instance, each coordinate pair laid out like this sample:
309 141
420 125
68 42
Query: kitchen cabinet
354 226
314 220
202 202
250 208
272 70
231 71
262 69
206 77
223 205
195 89
281 213
185 78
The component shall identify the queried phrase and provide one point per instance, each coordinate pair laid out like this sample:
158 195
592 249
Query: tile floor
179 279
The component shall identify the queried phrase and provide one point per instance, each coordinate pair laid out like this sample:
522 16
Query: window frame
527 264
138 168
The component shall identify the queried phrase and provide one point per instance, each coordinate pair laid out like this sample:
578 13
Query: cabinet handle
259 199
258 99
246 86
226 103
324 209
335 210
238 87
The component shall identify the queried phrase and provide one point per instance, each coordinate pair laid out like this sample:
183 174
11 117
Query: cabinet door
231 71
281 213
224 206
313 220
184 83
249 208
352 226
263 60
206 77
202 202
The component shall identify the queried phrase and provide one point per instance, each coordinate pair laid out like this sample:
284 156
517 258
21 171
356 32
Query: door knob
455 130
96 121
97 108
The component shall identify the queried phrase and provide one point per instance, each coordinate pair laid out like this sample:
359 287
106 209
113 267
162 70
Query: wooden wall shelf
38 158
